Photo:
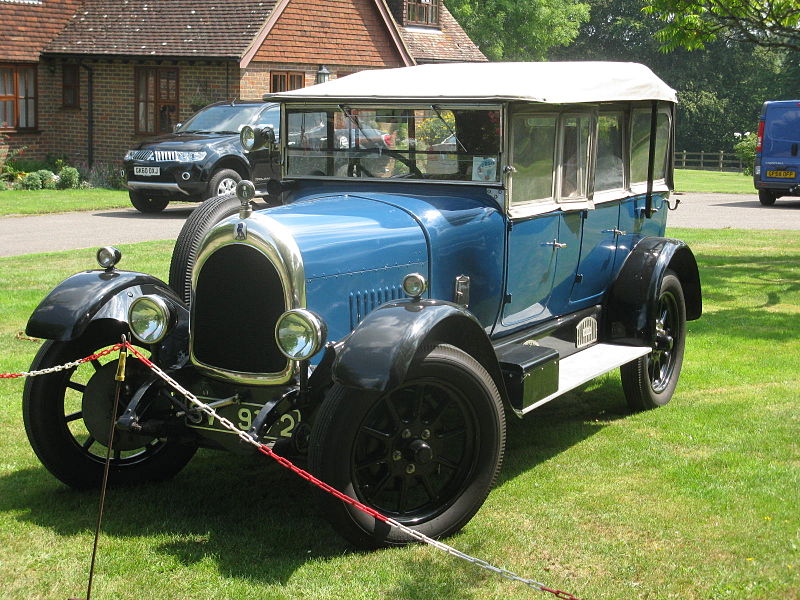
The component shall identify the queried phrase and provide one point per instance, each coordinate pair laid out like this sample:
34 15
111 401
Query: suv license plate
147 171
782 174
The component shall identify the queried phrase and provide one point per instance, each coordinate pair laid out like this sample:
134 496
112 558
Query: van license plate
782 174
147 171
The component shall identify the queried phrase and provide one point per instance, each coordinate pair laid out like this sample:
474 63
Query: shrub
746 150
68 177
4 185
48 179
106 175
31 181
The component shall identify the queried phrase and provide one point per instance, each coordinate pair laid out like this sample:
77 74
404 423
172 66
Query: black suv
202 158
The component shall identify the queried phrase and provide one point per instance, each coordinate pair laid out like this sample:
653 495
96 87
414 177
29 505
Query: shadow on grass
259 522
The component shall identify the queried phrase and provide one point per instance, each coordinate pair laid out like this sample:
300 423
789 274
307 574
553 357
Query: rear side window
533 153
610 167
640 145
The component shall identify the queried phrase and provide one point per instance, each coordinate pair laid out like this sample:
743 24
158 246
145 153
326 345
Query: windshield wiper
446 124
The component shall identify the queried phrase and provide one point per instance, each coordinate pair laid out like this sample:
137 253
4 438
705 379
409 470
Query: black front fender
377 355
633 297
68 310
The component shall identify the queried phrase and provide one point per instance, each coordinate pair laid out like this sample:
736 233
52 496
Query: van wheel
184 255
222 183
766 197
425 454
146 204
649 382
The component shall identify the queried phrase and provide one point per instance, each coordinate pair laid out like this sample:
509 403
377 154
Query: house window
283 81
70 86
156 99
17 97
422 12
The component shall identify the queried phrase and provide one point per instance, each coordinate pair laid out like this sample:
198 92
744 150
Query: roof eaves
255 44
394 31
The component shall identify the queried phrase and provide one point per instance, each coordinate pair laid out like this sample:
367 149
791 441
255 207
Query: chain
246 437
63 367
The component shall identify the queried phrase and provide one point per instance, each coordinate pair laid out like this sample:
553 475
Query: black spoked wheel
650 381
425 454
67 415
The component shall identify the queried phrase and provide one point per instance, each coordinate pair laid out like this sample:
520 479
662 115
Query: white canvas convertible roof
548 82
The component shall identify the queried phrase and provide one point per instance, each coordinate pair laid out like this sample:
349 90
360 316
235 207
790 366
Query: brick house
84 79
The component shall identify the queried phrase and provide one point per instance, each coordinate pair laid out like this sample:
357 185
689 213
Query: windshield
222 118
453 143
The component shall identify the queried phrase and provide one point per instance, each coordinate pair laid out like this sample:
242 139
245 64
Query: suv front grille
165 155
237 301
143 155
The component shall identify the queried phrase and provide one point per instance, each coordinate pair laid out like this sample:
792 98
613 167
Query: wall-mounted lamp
323 74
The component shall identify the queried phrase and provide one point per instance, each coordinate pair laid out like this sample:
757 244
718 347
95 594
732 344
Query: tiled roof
449 44
179 28
29 25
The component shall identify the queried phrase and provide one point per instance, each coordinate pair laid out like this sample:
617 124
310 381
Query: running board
587 364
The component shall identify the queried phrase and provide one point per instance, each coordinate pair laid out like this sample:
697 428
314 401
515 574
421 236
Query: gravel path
92 229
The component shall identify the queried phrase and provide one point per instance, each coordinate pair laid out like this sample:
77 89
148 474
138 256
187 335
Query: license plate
782 174
147 171
243 414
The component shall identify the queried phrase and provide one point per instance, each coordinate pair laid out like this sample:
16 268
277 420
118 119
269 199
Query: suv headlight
300 334
149 318
181 156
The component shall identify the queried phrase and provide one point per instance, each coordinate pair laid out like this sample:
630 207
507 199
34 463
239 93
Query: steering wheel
412 165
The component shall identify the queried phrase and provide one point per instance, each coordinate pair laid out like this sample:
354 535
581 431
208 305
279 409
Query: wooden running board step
587 364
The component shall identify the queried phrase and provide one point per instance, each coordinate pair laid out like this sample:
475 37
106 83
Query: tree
692 24
519 29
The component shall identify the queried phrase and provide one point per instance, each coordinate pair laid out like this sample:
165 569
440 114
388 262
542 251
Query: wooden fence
708 161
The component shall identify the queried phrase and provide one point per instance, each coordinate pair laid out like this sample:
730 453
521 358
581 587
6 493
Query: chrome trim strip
276 243
155 185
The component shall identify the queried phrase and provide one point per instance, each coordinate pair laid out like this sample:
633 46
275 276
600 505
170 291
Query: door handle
614 231
555 244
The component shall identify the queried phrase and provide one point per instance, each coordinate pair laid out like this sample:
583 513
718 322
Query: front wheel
67 416
425 454
650 381
146 204
222 183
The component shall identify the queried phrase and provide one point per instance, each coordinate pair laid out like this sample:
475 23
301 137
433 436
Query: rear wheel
67 415
425 454
146 204
766 197
650 381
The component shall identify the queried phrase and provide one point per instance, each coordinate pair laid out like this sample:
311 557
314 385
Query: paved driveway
48 233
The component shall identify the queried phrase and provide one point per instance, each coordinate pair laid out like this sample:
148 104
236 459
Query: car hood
344 234
187 141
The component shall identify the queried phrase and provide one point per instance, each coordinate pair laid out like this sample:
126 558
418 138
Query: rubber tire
217 178
636 382
766 197
52 441
338 421
199 223
146 204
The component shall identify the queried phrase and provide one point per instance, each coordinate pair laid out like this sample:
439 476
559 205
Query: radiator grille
165 155
364 302
237 301
143 154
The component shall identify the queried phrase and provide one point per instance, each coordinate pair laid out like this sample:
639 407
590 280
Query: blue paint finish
462 226
596 263
570 230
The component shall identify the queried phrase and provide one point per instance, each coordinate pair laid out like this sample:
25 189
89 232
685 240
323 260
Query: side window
271 116
610 168
575 136
533 144
640 145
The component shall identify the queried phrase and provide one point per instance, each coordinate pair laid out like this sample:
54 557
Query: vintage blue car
502 246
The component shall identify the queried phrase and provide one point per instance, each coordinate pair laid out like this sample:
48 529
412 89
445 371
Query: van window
533 145
574 170
640 145
610 167
782 131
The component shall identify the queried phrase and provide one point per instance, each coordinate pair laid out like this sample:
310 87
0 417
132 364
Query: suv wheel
766 197
146 204
222 183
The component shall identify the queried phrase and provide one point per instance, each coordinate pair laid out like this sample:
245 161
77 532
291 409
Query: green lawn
690 180
37 202
696 500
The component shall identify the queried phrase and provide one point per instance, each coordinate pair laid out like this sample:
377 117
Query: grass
39 202
695 500
716 182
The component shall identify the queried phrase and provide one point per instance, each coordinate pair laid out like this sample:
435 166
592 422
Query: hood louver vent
364 302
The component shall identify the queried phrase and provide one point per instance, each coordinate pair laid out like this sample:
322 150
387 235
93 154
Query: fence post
702 155
721 154
684 159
